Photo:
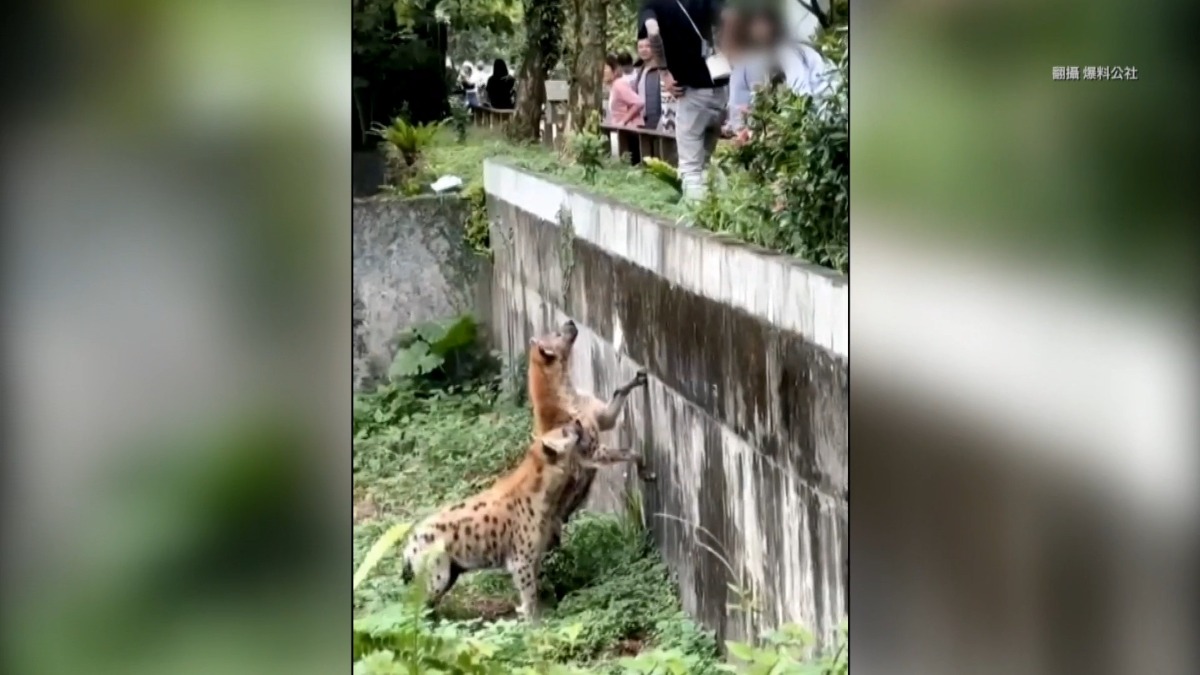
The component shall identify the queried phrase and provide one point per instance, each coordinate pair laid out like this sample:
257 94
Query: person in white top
765 54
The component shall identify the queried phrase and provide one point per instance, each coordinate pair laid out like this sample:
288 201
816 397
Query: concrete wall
410 265
745 416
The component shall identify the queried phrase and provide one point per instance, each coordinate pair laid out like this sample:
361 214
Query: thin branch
824 17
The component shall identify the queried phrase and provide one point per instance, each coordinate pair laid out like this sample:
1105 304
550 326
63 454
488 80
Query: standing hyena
555 399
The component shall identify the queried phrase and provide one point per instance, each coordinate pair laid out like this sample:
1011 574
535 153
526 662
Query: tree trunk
588 87
575 13
543 26
531 96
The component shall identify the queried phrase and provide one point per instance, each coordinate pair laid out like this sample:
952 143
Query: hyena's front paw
640 379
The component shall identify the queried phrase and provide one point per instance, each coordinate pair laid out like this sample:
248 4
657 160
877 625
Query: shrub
460 119
431 357
437 347
478 235
790 651
590 148
788 187
403 144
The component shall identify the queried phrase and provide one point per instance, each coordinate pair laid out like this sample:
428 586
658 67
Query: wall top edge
504 164
398 199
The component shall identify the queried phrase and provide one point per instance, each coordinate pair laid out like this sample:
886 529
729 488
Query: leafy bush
790 651
786 651
478 233
403 144
406 640
433 357
590 148
434 347
460 119
407 139
788 187
593 547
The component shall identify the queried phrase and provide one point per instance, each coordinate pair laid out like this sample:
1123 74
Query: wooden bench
649 142
490 118
553 124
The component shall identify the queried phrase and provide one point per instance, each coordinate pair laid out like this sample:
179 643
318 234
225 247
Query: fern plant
408 140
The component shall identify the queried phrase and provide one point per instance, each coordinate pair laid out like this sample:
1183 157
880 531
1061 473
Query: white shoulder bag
718 65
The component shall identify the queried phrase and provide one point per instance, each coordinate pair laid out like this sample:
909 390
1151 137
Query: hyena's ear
553 448
559 441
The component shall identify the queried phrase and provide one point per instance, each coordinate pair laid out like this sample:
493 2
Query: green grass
614 179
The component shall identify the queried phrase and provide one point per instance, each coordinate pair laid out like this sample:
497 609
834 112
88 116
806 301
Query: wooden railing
639 142
636 141
490 118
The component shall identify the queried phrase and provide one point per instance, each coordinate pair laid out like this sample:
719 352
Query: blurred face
760 32
726 38
644 52
608 74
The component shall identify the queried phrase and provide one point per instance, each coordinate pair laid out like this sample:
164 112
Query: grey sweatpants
698 117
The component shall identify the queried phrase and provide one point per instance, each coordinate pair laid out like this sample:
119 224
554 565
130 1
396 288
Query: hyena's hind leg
607 414
524 570
440 572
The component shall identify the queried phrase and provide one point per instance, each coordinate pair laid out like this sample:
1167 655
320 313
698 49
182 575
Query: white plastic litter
447 183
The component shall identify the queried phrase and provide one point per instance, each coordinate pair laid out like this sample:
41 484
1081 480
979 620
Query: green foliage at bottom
609 604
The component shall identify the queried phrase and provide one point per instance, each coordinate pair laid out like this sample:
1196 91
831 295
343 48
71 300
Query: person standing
763 54
466 80
647 83
680 33
501 87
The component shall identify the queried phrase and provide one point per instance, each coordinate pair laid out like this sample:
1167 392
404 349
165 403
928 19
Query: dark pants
632 141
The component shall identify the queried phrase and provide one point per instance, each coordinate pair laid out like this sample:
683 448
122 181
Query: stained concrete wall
410 264
745 416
